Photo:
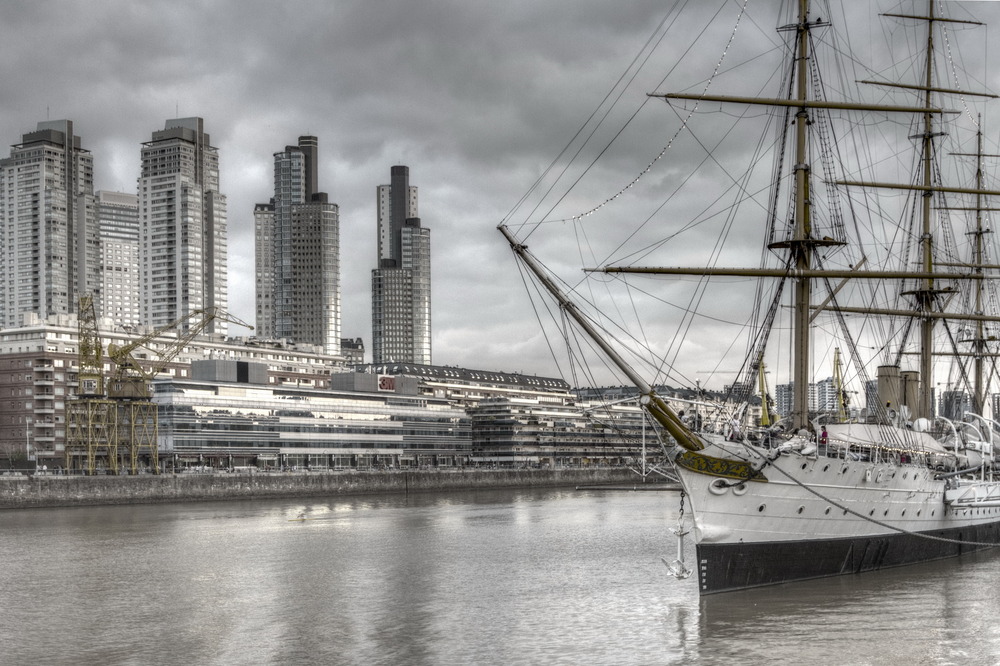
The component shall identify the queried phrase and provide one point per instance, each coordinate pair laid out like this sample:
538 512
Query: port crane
90 417
130 386
132 377
119 413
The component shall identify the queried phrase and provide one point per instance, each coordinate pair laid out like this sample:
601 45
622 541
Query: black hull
738 566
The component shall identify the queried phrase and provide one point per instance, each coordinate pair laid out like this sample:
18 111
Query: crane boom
131 378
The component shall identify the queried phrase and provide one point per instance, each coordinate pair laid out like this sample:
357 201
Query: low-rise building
227 415
39 374
227 402
554 431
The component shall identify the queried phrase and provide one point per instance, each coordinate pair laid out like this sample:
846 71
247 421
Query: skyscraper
263 224
298 254
49 250
401 285
182 223
118 222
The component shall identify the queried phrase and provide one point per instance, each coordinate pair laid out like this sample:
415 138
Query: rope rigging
888 526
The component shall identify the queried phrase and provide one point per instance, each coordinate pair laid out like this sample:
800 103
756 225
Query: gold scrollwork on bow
729 469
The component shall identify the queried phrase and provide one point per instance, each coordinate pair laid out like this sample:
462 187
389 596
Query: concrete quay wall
18 492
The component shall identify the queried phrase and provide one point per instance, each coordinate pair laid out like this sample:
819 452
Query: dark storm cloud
471 95
475 97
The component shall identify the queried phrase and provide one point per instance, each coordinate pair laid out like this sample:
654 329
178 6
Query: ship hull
725 567
817 516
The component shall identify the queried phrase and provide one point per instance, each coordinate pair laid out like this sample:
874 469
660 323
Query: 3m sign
386 383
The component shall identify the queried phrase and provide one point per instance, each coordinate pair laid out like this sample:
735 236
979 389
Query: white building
784 394
182 221
49 251
118 222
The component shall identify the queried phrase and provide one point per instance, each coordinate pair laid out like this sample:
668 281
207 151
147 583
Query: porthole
801 509
761 508
886 513
826 467
827 512
902 514
872 512
918 513
843 470
741 489
804 465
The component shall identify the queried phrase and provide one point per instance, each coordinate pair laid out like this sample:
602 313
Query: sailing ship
838 492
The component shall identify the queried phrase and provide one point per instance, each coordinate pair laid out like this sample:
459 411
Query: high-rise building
298 254
118 222
263 224
182 223
401 285
826 395
784 394
954 405
49 250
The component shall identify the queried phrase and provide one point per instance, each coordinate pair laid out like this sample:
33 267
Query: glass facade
258 424
298 255
401 285
555 432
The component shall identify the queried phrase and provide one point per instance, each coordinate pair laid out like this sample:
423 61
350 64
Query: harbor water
486 577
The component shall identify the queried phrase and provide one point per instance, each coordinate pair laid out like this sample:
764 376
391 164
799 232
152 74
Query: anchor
677 568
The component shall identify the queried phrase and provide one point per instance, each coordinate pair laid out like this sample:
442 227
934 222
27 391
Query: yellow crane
90 416
768 417
843 400
131 377
130 383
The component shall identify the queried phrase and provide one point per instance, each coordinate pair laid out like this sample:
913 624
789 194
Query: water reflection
492 577
933 613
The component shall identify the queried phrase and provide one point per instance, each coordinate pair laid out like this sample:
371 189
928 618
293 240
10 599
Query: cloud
477 98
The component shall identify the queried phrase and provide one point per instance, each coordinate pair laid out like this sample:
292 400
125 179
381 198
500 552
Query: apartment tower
182 225
118 223
49 249
298 254
401 285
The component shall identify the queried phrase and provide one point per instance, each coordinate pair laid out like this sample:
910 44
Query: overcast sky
476 97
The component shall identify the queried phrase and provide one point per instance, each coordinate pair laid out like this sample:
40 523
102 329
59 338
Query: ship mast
800 245
979 344
927 296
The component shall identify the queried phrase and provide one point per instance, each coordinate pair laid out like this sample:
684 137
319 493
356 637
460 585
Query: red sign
386 383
